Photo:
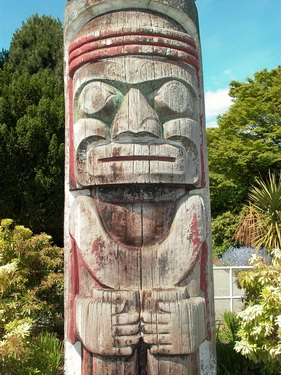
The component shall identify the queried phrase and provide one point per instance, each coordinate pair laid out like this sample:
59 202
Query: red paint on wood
139 32
99 282
74 288
72 178
203 175
87 368
196 241
135 40
128 50
204 284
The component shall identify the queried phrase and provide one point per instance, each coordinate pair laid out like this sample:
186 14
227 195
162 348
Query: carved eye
99 98
175 99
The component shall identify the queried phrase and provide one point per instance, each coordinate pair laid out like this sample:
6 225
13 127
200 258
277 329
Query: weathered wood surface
138 281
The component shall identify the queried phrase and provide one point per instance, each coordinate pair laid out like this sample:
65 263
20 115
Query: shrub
229 362
42 355
259 334
31 296
223 229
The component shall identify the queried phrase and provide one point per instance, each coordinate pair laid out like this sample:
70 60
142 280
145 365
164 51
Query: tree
32 127
223 231
247 142
3 57
37 45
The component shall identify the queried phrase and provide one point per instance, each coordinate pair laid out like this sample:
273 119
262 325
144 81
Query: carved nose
136 118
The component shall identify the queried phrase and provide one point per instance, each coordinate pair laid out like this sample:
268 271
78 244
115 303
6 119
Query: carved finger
119 307
124 341
155 318
166 307
125 318
148 317
159 328
162 349
157 339
123 351
126 330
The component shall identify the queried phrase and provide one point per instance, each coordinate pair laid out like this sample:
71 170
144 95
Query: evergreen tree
32 127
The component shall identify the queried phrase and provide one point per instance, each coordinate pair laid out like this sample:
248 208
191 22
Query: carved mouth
134 163
135 152
137 158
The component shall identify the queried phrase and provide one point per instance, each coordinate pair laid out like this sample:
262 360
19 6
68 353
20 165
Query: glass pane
221 283
221 305
238 305
236 290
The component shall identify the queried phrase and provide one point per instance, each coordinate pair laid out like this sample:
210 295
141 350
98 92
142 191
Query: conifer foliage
32 127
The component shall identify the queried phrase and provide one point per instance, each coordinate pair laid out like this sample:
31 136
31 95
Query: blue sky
239 37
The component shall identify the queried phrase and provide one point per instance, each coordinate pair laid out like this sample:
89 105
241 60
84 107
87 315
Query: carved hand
108 323
174 327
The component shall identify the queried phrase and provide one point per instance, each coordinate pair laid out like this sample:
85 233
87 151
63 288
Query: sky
239 38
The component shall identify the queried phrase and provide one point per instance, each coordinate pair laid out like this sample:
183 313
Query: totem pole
137 240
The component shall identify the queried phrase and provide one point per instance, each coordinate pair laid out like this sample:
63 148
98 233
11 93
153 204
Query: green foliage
223 230
36 45
259 334
3 57
247 142
32 127
31 284
261 223
31 302
41 355
266 200
229 362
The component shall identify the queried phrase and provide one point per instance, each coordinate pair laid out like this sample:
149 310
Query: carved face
135 120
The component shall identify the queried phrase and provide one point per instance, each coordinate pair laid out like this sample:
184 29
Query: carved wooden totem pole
138 258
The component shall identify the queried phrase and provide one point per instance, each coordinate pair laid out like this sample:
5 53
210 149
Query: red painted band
72 179
132 39
106 34
151 50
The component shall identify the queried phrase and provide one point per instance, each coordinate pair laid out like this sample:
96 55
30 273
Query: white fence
227 295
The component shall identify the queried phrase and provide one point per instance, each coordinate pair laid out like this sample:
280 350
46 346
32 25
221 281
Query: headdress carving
80 12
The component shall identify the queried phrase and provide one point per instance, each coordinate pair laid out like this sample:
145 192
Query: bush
42 355
31 299
229 362
259 334
223 230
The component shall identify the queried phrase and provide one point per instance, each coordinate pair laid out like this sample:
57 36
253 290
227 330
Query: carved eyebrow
115 71
80 88
124 86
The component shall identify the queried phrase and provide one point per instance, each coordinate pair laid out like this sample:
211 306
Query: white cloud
216 103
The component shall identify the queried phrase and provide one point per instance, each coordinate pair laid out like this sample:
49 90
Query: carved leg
176 365
115 366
